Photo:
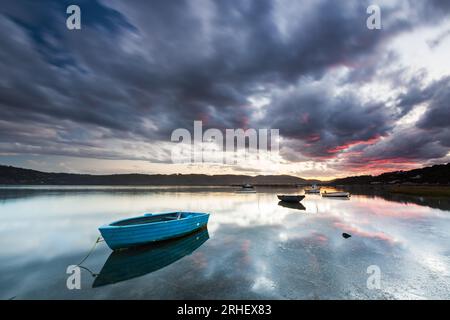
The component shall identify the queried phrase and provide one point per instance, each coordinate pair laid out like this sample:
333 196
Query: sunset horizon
210 172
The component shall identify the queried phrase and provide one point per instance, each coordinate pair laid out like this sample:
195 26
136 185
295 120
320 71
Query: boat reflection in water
292 205
136 262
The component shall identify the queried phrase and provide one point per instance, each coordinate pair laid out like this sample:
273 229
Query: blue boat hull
124 233
128 264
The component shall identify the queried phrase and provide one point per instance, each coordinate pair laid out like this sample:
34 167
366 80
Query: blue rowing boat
124 265
151 227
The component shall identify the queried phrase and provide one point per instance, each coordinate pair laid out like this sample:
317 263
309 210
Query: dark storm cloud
324 122
437 115
406 145
417 92
138 70
428 139
435 122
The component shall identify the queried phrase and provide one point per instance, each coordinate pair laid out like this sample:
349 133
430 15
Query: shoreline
413 190
421 190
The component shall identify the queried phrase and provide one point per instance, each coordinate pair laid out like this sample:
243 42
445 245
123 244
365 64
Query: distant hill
437 174
17 176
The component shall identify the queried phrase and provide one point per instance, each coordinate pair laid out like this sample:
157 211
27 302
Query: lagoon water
253 248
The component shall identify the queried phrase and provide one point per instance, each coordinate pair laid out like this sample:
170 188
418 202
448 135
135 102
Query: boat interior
152 218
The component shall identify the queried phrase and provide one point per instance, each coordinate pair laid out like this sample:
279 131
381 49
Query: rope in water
99 239
93 274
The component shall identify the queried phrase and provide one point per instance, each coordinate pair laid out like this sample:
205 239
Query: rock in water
346 235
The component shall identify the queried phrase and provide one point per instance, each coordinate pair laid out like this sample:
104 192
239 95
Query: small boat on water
247 188
313 190
336 194
123 265
290 198
151 227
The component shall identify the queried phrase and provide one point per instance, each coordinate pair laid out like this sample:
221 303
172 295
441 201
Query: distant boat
128 264
247 188
292 205
336 194
313 190
150 228
290 198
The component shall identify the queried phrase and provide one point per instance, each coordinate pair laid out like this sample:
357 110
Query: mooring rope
99 239
93 274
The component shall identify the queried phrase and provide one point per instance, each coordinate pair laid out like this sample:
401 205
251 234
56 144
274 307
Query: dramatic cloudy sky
106 98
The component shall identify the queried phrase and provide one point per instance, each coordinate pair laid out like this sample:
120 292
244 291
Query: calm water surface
253 247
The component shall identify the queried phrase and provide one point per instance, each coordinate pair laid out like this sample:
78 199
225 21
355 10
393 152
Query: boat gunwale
290 195
111 226
300 197
336 194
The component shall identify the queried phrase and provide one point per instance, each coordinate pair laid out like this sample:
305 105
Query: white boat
336 194
313 190
247 188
